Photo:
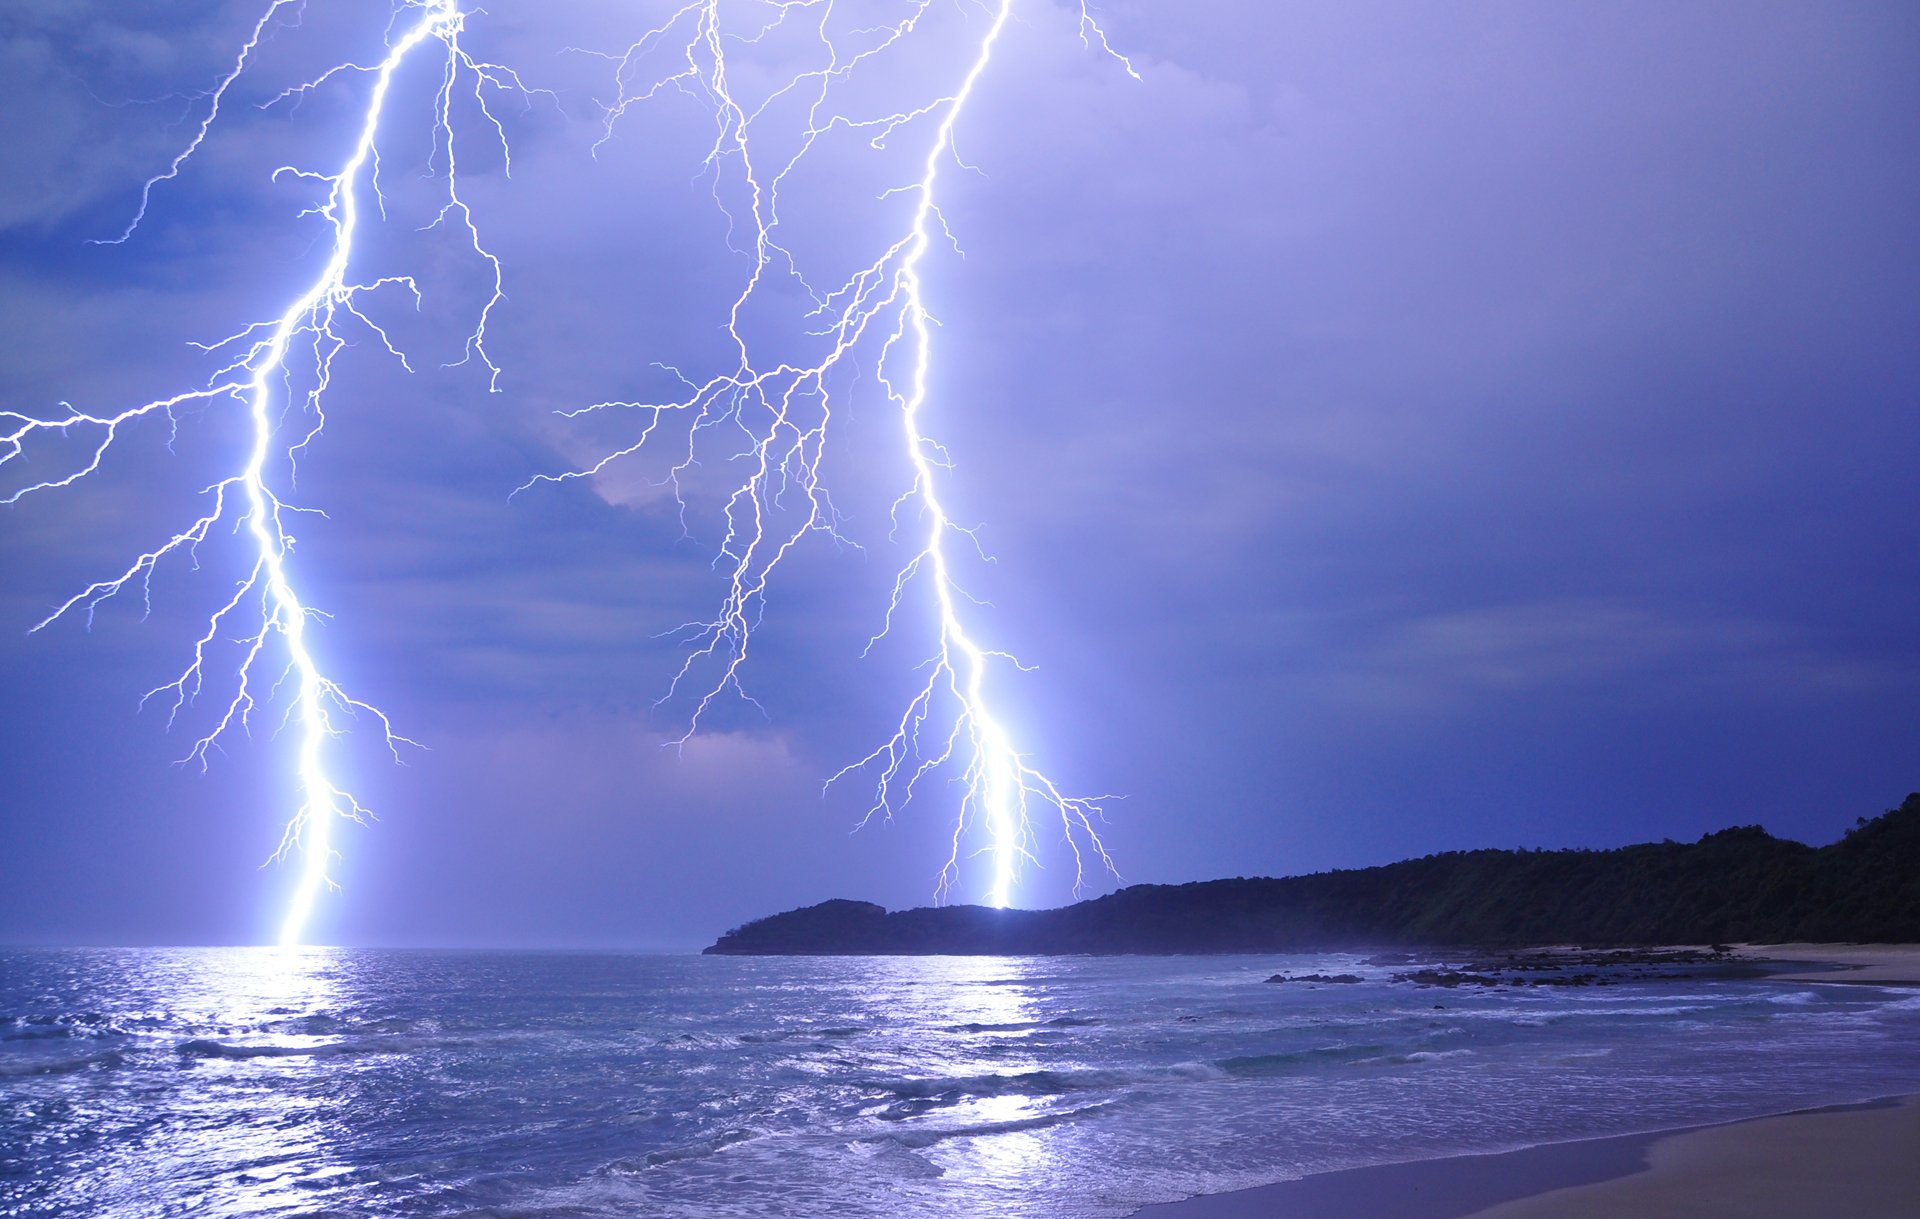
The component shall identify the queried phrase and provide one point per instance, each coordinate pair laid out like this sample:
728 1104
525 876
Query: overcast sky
1398 428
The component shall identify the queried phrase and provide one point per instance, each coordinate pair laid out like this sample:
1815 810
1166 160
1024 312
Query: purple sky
1399 427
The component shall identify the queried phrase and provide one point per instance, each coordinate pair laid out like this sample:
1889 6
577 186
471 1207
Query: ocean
347 1082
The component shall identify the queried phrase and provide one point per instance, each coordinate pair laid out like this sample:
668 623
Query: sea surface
343 1082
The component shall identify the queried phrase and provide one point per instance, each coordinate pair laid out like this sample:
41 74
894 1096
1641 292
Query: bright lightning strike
778 412
277 373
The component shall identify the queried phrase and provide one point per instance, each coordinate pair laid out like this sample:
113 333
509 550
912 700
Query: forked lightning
278 372
780 410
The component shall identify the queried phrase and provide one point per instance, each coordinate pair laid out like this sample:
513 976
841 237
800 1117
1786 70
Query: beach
1875 964
1859 1161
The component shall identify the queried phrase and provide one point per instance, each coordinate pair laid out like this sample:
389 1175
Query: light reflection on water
245 1139
270 1082
991 1006
260 1146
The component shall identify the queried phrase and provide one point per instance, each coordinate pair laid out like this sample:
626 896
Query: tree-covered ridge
1739 884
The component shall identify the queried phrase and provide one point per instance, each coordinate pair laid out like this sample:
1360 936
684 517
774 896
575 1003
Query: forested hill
1740 884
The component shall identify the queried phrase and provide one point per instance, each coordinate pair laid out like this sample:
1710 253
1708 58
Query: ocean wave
699 1041
1415 1056
1573 1056
87 1025
322 1024
207 1048
26 1067
42 1030
920 1095
924 1137
899 1161
1024 1026
1291 1060
829 1033
697 1150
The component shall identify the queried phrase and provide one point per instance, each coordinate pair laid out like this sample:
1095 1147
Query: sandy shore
1877 964
1855 1161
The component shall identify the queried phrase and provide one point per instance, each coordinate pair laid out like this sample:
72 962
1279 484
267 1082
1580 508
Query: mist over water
244 1082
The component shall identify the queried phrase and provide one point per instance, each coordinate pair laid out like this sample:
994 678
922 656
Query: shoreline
1848 964
1861 1160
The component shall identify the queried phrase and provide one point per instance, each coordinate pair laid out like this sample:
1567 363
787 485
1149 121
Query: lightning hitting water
779 412
277 373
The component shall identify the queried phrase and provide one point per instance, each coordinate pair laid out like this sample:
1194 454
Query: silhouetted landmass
1740 884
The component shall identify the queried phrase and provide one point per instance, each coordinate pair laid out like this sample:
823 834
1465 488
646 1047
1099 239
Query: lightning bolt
277 373
778 414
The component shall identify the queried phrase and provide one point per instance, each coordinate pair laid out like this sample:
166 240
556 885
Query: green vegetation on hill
1740 884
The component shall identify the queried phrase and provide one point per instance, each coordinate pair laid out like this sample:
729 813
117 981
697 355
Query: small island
1737 885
